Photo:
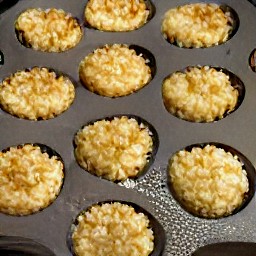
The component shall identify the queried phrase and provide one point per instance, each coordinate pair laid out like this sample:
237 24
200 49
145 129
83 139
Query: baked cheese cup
117 70
202 94
36 94
117 15
116 148
51 30
112 228
31 177
199 25
211 180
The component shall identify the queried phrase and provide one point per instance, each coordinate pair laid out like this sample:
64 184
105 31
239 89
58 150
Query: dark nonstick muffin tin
184 232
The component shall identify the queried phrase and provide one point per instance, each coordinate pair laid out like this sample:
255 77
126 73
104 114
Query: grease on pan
31 177
202 94
118 15
36 93
116 148
116 228
211 180
50 30
199 25
117 70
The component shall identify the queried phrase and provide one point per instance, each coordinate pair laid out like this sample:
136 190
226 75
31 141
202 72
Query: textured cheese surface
116 150
210 182
197 25
116 15
113 229
114 70
49 30
199 94
36 94
29 180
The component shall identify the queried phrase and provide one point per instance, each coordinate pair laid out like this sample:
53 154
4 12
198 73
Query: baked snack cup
211 180
31 178
117 70
38 93
118 15
202 94
116 148
199 25
51 30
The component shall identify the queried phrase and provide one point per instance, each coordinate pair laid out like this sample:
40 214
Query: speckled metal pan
184 232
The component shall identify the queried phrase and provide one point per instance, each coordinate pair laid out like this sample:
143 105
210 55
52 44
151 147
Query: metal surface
185 233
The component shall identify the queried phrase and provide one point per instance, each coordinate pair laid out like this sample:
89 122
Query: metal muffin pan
184 232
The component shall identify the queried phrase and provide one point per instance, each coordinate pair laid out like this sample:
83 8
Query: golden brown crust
200 94
114 70
116 15
49 30
115 150
36 94
197 25
113 229
29 180
210 182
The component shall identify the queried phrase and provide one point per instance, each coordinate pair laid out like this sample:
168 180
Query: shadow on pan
20 246
6 4
227 249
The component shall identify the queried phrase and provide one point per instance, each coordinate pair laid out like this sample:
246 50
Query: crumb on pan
197 25
48 30
112 229
116 15
116 149
114 70
200 94
209 182
29 180
36 94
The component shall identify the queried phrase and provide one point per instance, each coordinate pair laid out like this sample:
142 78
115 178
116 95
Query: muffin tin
184 232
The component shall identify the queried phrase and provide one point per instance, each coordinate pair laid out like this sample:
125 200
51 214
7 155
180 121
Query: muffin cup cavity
252 60
246 165
150 8
50 37
226 248
18 246
172 101
6 4
150 156
117 70
147 56
42 93
154 225
1 58
232 21
31 183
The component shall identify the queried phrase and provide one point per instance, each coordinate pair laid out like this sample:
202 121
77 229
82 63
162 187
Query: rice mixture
36 94
112 229
48 30
116 15
197 25
29 180
209 182
114 70
116 149
200 94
